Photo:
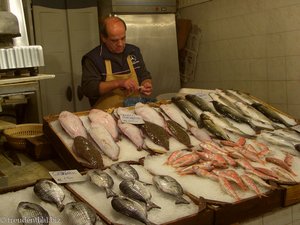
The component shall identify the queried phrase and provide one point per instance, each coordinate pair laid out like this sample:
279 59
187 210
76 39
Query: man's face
115 41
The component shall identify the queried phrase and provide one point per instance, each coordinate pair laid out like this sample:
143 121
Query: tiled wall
250 45
285 216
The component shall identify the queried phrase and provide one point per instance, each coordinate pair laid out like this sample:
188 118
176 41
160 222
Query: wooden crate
291 195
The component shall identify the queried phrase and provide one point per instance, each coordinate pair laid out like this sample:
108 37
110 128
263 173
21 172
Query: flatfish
130 208
105 141
88 151
174 114
79 213
149 114
49 191
156 133
169 185
137 190
179 133
97 116
33 214
102 180
72 124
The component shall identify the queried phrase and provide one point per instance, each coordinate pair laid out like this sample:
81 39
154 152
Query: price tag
66 176
204 96
131 118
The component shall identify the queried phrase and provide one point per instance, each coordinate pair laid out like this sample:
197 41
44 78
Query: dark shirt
94 71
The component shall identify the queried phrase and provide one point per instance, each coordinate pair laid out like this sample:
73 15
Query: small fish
243 96
169 185
33 214
260 181
130 208
102 180
251 184
136 190
49 191
156 133
79 213
276 139
72 124
183 105
88 151
280 163
226 186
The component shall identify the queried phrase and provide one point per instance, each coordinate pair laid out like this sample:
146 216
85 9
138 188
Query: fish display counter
230 149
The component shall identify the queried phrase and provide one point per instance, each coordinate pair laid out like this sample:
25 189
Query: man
114 70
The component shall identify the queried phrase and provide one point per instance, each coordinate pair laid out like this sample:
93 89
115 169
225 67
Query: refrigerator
151 26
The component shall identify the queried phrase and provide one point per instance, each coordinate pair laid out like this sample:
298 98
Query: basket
16 136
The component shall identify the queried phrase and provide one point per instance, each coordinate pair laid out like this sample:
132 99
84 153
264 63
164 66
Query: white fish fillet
72 124
105 141
149 114
97 116
133 133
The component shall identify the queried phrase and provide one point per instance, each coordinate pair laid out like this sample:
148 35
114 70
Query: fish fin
110 193
151 205
181 200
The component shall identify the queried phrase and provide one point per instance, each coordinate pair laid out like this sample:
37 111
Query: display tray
291 195
233 213
169 214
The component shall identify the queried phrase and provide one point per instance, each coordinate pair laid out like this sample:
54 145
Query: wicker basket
16 136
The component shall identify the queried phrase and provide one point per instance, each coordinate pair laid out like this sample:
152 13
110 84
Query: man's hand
146 87
130 85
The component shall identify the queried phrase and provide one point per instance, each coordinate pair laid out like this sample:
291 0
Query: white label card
131 118
66 176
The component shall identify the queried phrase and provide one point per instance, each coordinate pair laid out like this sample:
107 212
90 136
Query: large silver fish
274 115
72 124
200 103
130 208
33 214
97 116
169 185
105 141
137 190
156 133
88 151
79 213
183 105
49 191
246 98
102 180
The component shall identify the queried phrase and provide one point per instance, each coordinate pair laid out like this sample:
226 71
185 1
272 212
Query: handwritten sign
131 118
66 176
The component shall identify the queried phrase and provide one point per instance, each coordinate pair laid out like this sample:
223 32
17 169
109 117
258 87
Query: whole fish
88 151
79 213
125 171
102 180
33 214
200 103
174 114
273 115
183 105
289 134
49 191
138 191
149 114
273 138
72 124
227 187
220 98
213 128
156 133
243 96
97 116
130 208
280 163
133 133
256 115
234 115
169 185
251 184
105 141
233 97
179 133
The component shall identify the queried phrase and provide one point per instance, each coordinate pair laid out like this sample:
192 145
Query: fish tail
110 193
152 205
181 200
60 206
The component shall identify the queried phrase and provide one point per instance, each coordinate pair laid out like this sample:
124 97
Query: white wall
250 45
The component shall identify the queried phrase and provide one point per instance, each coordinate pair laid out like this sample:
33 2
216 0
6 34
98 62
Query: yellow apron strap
131 68
108 67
